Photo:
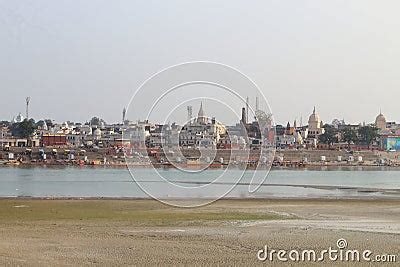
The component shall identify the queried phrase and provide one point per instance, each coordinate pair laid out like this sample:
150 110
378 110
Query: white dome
380 122
380 118
314 117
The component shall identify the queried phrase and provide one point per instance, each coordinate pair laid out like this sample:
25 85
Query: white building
201 132
315 125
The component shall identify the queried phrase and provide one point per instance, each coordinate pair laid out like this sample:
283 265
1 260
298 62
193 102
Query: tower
123 115
189 113
200 116
257 104
28 99
247 109
244 120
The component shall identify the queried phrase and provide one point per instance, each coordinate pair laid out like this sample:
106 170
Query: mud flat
227 232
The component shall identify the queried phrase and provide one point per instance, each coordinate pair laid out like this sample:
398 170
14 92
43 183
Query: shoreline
309 167
233 199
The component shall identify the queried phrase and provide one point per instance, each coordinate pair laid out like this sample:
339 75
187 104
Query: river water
114 182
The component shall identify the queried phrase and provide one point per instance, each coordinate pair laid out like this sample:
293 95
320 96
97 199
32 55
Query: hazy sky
78 59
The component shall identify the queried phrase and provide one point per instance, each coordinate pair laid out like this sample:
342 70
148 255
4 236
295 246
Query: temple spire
200 116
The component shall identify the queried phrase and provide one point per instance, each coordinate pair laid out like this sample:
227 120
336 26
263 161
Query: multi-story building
201 131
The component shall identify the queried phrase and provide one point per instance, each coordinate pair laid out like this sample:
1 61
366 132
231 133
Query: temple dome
380 121
380 118
314 117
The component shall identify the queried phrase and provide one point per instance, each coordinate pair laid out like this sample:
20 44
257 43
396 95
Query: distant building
201 132
315 125
285 141
137 133
54 140
201 119
390 142
380 122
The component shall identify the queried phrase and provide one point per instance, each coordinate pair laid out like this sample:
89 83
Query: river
280 183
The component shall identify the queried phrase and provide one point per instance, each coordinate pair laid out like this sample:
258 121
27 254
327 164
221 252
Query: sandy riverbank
126 232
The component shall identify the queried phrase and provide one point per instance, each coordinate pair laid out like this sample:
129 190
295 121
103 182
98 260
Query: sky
79 59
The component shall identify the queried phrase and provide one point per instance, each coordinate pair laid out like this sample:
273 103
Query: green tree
367 134
349 136
97 121
49 123
329 137
23 129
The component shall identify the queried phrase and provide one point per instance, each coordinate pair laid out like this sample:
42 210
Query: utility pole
28 99
123 115
247 109
189 114
257 104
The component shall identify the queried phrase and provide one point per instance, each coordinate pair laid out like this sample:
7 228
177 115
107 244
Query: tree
329 136
49 123
5 123
349 136
23 129
97 121
368 134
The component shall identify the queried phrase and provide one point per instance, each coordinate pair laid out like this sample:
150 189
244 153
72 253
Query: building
390 142
315 125
380 122
75 138
285 141
289 136
137 134
14 142
201 132
54 140
201 119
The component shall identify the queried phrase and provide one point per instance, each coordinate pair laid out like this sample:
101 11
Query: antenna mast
257 104
247 109
123 115
189 113
28 99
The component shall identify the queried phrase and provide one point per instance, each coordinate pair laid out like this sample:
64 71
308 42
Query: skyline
300 57
302 121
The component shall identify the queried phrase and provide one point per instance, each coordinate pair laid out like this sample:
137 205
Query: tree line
364 135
